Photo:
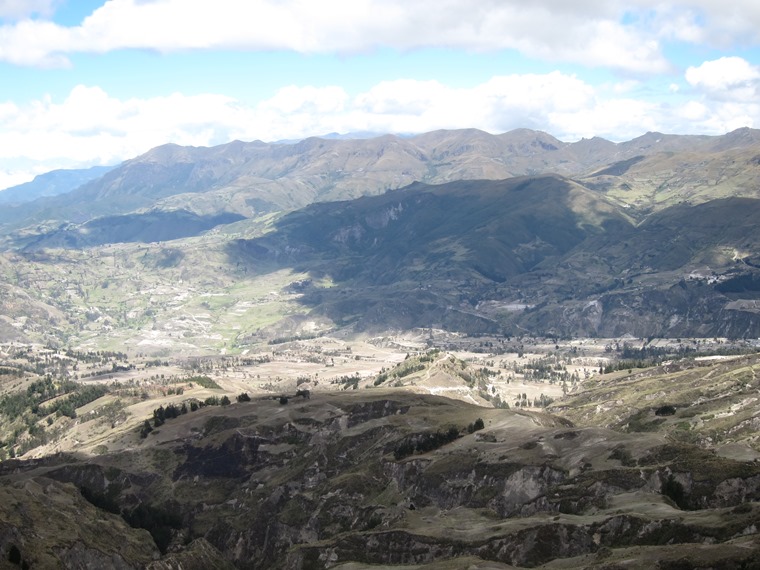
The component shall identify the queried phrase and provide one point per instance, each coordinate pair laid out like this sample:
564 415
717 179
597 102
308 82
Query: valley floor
514 372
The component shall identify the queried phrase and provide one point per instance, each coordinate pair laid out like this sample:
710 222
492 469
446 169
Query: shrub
158 522
424 442
666 410
623 455
145 429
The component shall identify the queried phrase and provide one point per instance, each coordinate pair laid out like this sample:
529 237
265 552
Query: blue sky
97 82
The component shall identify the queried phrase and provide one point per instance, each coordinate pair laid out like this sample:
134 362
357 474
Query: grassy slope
715 402
661 180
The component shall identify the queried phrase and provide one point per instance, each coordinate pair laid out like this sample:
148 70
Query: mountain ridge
248 178
460 350
51 184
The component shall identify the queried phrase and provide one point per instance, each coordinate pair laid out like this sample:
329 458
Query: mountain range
256 177
462 230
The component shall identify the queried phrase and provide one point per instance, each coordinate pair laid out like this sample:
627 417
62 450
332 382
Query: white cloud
727 77
530 100
717 23
625 86
694 111
728 90
615 119
405 98
727 116
33 43
619 34
90 127
10 178
587 32
293 99
727 23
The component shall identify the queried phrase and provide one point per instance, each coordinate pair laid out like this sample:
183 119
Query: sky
86 82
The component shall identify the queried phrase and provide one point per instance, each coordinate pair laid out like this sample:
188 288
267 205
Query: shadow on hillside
426 255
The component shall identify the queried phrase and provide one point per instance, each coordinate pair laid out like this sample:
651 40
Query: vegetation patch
204 381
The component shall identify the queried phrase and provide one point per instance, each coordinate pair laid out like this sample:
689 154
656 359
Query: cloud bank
613 34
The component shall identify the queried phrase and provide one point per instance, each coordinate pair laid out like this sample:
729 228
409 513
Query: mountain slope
154 226
651 183
502 228
708 401
670 276
434 250
539 254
